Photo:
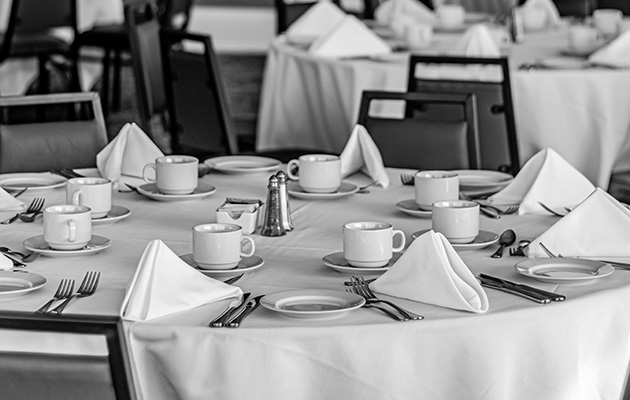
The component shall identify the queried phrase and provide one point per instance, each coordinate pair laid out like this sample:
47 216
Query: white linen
388 11
477 41
598 227
124 158
430 271
546 178
362 154
350 38
164 284
550 9
614 54
9 203
318 20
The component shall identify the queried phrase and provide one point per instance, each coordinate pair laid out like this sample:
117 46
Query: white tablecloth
518 350
308 101
17 75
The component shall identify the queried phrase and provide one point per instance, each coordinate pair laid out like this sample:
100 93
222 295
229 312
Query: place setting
176 178
430 186
318 177
95 193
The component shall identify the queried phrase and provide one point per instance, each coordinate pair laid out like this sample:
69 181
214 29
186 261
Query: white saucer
116 214
202 190
564 269
95 245
312 303
31 180
246 265
484 239
482 182
338 262
412 208
346 189
17 283
242 164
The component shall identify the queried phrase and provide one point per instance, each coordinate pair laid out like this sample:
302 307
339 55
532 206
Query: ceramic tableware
173 174
432 186
534 18
584 39
67 227
450 15
418 35
95 193
457 220
608 21
220 246
370 244
317 173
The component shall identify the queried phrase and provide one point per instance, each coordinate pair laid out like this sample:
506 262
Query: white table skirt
308 101
518 350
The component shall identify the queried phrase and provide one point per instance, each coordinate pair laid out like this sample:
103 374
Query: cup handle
402 240
290 166
75 197
144 172
72 231
251 241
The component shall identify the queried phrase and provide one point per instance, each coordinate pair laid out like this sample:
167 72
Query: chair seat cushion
34 44
107 36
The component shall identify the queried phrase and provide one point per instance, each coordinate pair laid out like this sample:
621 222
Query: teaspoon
507 238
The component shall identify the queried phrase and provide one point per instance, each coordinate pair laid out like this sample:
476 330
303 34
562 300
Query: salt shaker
287 224
272 225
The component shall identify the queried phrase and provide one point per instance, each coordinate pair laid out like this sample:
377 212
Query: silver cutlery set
361 287
237 311
519 289
32 211
65 292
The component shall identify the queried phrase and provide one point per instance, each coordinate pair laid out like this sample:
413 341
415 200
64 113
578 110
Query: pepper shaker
272 225
287 224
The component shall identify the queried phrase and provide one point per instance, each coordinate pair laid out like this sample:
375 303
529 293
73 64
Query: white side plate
312 304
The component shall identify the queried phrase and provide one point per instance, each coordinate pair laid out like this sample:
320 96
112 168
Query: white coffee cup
317 173
67 227
370 244
534 18
432 186
457 220
608 21
418 35
220 246
173 174
399 24
451 15
584 39
95 193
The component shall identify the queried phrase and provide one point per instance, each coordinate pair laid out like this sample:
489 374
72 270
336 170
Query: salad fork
383 309
363 289
33 210
407 179
87 288
64 290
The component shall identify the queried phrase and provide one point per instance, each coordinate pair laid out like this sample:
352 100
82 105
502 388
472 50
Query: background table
309 101
518 350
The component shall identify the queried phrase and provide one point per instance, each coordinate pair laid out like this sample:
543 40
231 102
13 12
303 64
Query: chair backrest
417 143
28 375
575 8
287 13
201 123
37 16
143 29
495 111
623 5
42 146
174 14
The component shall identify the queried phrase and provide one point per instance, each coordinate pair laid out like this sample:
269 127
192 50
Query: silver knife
231 310
551 295
527 295
249 308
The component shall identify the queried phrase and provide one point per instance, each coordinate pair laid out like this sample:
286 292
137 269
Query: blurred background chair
38 376
200 122
623 5
495 112
71 140
287 13
420 143
28 34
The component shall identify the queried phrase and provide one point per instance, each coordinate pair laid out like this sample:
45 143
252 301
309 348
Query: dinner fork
64 290
370 297
33 210
383 309
407 179
87 288
551 210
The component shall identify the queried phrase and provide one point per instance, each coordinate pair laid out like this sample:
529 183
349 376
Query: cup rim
455 204
232 227
382 226
441 174
176 159
63 209
324 157
89 180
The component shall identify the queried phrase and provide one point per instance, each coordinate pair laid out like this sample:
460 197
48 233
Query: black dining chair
29 375
28 34
287 13
495 111
623 5
420 143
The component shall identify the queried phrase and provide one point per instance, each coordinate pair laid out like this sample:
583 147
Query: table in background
16 75
518 350
308 101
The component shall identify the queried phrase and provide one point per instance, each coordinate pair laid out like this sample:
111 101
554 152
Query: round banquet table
309 101
576 349
16 75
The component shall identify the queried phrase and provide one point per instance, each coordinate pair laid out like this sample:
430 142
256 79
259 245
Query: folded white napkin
551 11
164 284
388 11
350 38
362 154
315 22
615 54
124 157
9 203
546 178
430 271
477 41
598 228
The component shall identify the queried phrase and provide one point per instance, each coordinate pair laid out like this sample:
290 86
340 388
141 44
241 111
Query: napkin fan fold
362 154
550 9
477 41
615 54
348 39
430 271
316 21
388 11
